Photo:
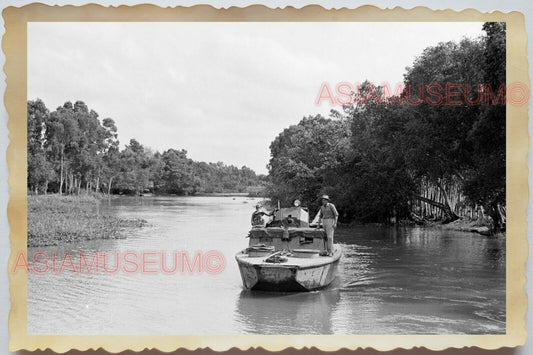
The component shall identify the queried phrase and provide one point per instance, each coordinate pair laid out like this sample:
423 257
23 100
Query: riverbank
460 225
55 220
467 225
483 227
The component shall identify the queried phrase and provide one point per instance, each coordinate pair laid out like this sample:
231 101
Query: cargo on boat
287 255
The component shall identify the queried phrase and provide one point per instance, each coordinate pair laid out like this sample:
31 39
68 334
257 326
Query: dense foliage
435 151
70 150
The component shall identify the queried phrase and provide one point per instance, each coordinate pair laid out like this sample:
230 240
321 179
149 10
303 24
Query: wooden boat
287 255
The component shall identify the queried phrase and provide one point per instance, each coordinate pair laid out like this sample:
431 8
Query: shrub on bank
55 219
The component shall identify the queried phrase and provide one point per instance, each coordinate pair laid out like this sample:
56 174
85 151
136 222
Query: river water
390 281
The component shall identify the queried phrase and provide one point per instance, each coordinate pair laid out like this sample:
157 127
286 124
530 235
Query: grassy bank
55 220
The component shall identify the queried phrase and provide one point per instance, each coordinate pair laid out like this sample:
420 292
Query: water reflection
390 281
287 313
423 281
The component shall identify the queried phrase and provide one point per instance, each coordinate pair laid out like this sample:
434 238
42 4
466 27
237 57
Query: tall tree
486 181
444 80
304 159
39 169
134 168
378 184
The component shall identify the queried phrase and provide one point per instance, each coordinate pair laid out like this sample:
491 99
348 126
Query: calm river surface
390 281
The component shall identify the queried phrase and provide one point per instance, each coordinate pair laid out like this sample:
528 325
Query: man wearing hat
328 215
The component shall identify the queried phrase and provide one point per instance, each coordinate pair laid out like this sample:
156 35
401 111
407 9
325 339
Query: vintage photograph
266 178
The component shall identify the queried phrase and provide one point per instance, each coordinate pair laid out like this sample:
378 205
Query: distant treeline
419 160
70 150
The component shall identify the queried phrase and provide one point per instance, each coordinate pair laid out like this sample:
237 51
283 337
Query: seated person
261 218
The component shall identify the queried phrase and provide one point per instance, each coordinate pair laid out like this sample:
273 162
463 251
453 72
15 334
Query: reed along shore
56 220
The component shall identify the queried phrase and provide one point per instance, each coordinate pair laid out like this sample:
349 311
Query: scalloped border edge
14 48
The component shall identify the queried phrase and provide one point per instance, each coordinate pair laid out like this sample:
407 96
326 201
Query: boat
288 255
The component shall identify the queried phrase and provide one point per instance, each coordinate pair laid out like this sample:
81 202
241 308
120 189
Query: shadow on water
287 313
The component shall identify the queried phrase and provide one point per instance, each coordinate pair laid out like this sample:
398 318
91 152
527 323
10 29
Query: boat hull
296 274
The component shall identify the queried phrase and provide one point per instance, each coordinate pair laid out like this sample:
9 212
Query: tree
432 145
71 149
134 177
378 184
439 151
304 158
39 169
485 183
177 171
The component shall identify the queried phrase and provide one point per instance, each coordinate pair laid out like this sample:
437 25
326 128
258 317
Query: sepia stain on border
14 47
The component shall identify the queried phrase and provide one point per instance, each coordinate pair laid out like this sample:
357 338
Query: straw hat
325 197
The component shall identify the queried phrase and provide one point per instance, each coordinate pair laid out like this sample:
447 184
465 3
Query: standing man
328 215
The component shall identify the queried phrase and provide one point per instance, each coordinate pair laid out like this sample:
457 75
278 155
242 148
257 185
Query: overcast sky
222 91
